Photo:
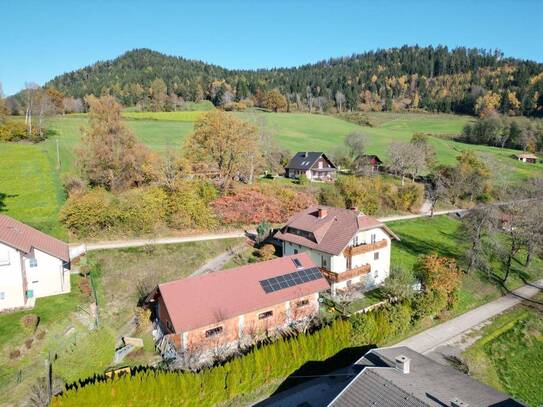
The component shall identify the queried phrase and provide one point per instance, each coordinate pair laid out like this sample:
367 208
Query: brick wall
249 326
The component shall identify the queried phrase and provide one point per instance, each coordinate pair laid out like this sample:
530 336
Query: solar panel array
290 280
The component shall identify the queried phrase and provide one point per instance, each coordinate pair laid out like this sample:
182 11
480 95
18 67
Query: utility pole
58 154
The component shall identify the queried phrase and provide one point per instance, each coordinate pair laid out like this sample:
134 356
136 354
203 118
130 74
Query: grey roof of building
305 160
369 389
427 383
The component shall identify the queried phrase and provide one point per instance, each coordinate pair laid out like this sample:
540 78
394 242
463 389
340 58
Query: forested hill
434 79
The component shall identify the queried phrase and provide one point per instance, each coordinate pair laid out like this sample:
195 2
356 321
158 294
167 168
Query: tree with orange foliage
438 273
275 101
111 155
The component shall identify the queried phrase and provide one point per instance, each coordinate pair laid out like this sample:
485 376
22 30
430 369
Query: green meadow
30 174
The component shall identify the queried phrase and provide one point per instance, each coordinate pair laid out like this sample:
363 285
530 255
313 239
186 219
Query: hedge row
218 384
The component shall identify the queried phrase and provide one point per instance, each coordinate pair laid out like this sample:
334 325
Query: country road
431 338
76 249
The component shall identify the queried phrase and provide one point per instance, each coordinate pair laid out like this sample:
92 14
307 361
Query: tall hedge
215 385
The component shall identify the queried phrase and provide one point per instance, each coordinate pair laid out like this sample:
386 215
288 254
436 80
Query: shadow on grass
3 197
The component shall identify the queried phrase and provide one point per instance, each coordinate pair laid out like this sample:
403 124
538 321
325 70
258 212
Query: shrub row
214 385
13 131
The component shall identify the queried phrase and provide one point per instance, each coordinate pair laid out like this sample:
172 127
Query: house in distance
526 157
231 308
32 265
316 166
349 247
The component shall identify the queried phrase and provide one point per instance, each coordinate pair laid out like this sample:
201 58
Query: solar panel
290 280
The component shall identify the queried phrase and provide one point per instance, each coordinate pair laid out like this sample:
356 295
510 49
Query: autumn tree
158 94
3 108
223 144
477 227
110 155
275 101
487 104
437 273
406 159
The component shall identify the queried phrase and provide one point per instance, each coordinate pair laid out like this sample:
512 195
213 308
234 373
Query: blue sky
41 39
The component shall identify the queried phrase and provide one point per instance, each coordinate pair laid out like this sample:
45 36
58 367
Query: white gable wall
11 278
48 277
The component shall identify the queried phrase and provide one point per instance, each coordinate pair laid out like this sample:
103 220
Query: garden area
63 329
509 354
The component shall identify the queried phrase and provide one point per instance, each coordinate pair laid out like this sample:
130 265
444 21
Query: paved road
430 339
77 249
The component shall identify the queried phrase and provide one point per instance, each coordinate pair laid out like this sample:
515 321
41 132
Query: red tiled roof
332 232
195 302
23 237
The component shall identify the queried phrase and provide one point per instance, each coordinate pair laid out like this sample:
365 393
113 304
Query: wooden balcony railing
345 275
364 248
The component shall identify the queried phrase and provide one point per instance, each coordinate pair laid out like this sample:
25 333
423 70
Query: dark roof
371 390
371 157
195 302
332 232
427 383
305 160
23 237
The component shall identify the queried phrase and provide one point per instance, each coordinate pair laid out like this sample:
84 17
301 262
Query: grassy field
509 355
442 235
31 191
63 329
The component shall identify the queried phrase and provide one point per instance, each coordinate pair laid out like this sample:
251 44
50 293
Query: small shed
526 158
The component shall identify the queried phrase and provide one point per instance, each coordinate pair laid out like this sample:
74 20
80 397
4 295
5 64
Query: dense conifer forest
439 79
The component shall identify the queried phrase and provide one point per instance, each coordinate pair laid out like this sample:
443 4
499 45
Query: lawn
30 187
443 235
509 355
63 331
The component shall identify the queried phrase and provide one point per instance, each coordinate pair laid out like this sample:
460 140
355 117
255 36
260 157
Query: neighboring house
372 161
350 248
316 166
526 157
398 377
32 265
229 308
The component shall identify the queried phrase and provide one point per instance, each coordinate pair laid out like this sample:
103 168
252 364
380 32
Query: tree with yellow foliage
275 101
222 144
487 104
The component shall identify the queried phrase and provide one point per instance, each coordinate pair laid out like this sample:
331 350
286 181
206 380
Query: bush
218 384
30 322
13 131
302 180
266 252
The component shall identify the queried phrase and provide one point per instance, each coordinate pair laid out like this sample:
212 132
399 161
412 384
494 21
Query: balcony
364 248
334 277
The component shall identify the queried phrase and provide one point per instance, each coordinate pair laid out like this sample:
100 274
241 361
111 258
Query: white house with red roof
349 247
32 265
232 307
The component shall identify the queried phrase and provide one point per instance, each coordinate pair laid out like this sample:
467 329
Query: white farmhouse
32 265
350 247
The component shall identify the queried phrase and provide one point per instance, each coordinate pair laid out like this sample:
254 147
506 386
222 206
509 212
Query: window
376 256
29 293
349 282
2 295
324 263
214 332
348 263
355 241
302 303
169 325
295 251
265 315
373 237
33 263
375 274
297 263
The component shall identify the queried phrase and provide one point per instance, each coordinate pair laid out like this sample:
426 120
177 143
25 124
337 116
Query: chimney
322 213
403 364
305 154
456 402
